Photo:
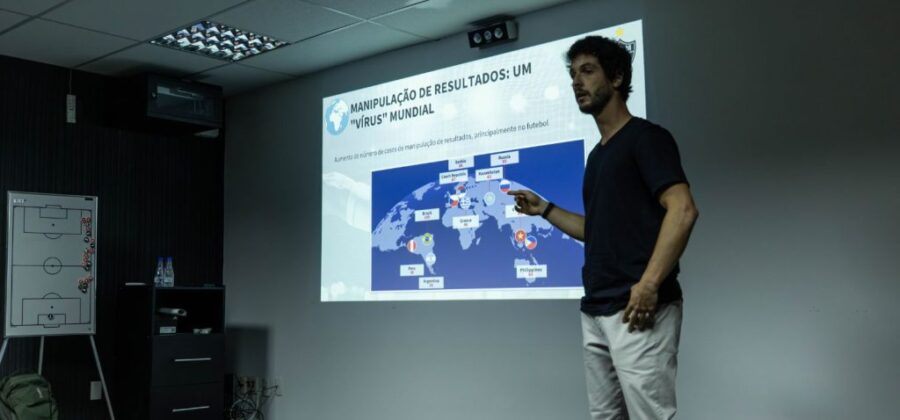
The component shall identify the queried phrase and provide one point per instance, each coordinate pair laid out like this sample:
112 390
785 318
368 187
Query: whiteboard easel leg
3 349
102 380
41 357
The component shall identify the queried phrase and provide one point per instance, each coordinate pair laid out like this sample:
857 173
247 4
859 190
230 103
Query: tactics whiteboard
51 264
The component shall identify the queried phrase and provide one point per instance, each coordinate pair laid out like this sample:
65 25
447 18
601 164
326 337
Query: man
638 216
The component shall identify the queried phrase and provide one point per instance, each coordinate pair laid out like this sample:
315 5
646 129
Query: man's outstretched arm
531 204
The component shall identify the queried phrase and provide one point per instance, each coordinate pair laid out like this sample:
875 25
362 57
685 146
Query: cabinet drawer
188 359
195 402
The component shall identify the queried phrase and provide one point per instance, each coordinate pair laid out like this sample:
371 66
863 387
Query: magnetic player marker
84 282
87 238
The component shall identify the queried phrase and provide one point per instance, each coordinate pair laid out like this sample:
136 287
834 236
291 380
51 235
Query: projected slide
414 174
457 229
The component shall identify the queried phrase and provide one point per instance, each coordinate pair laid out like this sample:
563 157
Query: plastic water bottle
158 277
170 273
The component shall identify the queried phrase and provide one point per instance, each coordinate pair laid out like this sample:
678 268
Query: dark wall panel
159 195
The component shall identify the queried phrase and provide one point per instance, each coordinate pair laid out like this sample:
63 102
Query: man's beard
598 101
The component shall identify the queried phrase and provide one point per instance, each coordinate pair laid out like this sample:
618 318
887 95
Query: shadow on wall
246 350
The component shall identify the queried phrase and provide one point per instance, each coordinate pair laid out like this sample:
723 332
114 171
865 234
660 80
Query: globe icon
337 117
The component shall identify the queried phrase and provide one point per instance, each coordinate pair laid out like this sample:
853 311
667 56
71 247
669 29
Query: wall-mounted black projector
166 105
183 101
493 34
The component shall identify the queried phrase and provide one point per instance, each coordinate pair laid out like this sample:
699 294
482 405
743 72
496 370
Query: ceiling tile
439 18
365 9
152 58
287 20
136 19
29 7
8 19
236 78
338 47
61 45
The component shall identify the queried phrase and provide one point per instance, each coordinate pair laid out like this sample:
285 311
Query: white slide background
367 139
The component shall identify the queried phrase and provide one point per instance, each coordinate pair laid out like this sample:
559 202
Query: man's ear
618 81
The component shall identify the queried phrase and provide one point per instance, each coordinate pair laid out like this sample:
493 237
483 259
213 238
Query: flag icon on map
411 245
520 235
504 185
531 242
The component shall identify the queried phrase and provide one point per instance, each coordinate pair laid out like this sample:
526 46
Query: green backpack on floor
27 397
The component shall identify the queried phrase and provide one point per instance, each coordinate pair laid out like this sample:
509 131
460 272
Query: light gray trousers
631 375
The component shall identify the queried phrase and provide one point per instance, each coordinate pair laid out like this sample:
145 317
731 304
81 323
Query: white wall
786 117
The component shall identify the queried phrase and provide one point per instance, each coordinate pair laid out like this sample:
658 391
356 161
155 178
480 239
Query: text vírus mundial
398 115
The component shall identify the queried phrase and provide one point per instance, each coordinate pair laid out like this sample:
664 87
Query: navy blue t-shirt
622 183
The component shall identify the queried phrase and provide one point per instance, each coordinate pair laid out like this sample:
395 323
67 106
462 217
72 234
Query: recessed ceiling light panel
219 41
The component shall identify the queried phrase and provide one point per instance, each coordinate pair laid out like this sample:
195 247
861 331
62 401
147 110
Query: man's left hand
641 310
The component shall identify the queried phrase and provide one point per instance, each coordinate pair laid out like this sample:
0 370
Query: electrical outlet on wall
96 390
247 385
70 109
278 385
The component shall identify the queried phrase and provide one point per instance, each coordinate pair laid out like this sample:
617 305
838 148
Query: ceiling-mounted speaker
493 34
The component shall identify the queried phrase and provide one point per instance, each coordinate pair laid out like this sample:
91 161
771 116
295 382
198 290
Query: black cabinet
170 367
